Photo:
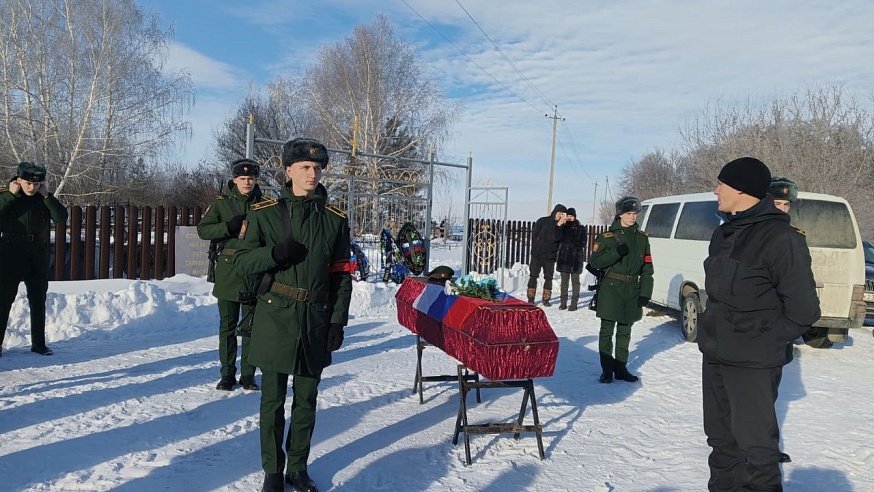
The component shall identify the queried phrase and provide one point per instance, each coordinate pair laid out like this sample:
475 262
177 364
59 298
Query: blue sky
626 75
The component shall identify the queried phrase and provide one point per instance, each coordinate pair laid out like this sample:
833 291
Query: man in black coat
761 295
544 249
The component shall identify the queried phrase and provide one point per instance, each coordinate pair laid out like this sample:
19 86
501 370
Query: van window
826 224
642 214
661 219
698 220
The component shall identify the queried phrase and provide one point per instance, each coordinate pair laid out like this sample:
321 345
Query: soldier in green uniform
303 245
26 209
223 224
623 252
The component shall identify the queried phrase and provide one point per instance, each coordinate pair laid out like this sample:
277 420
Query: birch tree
85 93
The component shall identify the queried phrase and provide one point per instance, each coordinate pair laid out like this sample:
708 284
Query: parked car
869 279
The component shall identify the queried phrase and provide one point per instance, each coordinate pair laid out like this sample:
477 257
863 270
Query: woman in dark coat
570 259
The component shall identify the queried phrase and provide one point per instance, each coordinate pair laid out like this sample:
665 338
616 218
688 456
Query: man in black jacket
544 250
760 296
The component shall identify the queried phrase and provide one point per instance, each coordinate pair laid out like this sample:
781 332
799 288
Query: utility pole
555 119
594 202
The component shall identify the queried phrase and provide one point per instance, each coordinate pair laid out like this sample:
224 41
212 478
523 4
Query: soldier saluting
303 244
26 209
223 224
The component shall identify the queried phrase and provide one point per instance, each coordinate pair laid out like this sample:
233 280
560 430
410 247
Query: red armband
340 266
647 259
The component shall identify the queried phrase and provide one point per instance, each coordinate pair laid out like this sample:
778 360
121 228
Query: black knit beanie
572 211
748 175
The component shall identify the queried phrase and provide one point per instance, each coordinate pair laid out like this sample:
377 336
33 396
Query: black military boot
226 383
273 483
41 350
248 383
606 368
622 373
301 481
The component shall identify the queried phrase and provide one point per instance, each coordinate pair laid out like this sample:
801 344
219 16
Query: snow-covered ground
127 403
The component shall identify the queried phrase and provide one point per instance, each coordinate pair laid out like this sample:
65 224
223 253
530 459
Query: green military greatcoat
290 336
617 297
214 226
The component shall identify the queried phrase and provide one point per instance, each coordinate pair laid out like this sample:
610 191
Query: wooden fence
118 242
487 236
126 241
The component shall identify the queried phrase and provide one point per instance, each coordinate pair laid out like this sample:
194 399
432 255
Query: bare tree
84 91
653 175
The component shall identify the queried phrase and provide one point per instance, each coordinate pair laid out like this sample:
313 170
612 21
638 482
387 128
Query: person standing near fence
544 249
623 252
26 211
761 295
222 224
570 259
303 244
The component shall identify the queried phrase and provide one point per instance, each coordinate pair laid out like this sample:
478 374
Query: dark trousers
274 388
534 268
229 315
37 285
623 339
741 426
574 279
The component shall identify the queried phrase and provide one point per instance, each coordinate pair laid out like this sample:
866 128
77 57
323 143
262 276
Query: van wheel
689 316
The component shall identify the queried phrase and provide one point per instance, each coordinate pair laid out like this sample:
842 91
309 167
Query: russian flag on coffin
503 339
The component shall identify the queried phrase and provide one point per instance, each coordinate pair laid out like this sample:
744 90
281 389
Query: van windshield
825 224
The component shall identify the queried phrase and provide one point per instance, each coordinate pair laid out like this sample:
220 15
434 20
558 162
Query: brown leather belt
298 294
228 251
625 278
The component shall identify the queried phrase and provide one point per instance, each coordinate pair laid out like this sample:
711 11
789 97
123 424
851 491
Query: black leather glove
288 252
642 301
235 224
622 249
335 337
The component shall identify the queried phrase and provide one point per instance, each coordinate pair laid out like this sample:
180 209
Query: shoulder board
336 210
607 234
642 232
265 203
3 187
800 230
220 197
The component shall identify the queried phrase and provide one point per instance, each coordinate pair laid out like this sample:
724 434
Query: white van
679 229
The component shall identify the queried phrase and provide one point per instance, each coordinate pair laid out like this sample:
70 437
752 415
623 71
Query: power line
574 148
468 57
504 56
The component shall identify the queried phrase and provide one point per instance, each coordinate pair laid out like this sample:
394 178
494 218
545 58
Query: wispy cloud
206 73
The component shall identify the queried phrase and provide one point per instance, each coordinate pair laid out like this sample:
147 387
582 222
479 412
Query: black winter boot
273 483
622 373
301 481
226 383
248 383
606 368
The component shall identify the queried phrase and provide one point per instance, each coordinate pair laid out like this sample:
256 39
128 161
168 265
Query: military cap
304 149
245 167
627 204
783 188
441 272
29 171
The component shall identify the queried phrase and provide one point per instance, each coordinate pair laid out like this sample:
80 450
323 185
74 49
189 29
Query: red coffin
504 339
